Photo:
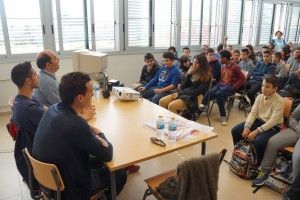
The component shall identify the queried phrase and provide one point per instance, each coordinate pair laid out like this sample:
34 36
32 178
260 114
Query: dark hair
20 72
225 54
220 47
286 49
272 45
278 32
183 59
210 50
229 45
265 47
186 48
252 53
171 48
271 79
237 51
204 70
245 50
267 52
278 54
72 85
169 55
148 56
42 60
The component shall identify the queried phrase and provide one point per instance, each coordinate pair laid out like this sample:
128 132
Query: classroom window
266 23
24 28
234 21
294 24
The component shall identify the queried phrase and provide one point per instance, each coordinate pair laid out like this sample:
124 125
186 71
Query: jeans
220 93
260 141
150 94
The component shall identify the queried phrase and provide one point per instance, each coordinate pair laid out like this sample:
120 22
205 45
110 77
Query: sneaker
261 178
202 108
224 120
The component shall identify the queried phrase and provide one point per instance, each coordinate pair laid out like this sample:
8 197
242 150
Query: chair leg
229 106
210 107
207 116
147 193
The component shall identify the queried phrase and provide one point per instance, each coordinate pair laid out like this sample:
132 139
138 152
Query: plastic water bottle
96 88
172 130
160 127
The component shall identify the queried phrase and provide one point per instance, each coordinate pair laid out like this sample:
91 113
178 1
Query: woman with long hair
195 82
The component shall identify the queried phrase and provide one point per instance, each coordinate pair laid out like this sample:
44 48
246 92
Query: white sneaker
224 120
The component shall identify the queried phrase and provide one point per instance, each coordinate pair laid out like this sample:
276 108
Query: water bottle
172 130
96 88
160 127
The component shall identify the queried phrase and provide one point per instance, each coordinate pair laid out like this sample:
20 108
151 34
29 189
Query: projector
125 93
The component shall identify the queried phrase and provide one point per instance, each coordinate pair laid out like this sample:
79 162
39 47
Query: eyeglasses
157 141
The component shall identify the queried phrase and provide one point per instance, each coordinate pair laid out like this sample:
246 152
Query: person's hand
88 113
246 132
95 130
174 95
157 91
191 70
252 135
149 69
11 102
141 89
102 141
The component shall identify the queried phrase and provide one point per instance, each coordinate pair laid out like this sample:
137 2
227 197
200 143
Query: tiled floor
230 186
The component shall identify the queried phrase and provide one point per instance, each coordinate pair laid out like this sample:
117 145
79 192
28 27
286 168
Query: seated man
294 61
264 119
164 81
286 138
236 56
263 67
282 69
47 92
292 86
215 66
294 192
231 80
186 52
246 64
66 140
184 64
149 69
27 112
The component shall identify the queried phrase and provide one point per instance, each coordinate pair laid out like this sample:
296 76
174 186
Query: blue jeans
150 94
260 141
220 93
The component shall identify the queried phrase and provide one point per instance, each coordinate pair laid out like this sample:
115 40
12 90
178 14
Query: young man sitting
256 76
184 64
236 56
66 140
186 52
286 138
246 64
231 80
164 81
214 65
264 119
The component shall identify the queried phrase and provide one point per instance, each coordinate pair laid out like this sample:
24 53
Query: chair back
45 173
287 107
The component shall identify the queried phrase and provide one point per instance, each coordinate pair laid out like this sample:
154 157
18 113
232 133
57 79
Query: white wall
126 68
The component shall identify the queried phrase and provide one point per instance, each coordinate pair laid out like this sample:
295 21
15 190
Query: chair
155 181
47 176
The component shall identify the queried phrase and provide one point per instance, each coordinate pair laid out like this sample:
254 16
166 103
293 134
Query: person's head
48 61
229 47
24 76
172 49
204 49
278 34
276 57
149 59
296 54
269 85
267 56
210 55
168 59
186 51
265 48
185 62
220 47
76 88
202 68
270 45
245 54
285 50
236 55
225 57
251 49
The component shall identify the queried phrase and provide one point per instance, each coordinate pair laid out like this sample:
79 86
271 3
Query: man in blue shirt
27 112
47 93
66 140
164 81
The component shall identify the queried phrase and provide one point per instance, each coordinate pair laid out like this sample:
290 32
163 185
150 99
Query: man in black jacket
66 140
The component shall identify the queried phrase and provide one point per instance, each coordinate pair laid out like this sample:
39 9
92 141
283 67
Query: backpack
244 160
280 178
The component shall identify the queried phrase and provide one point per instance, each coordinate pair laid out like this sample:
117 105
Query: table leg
203 148
113 185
